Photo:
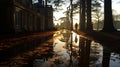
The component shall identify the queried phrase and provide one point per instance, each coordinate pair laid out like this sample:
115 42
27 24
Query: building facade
22 16
47 12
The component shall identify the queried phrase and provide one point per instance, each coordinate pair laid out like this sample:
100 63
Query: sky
115 6
58 14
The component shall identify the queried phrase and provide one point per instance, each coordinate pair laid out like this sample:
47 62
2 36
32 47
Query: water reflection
67 52
111 57
65 49
77 51
106 57
95 54
84 52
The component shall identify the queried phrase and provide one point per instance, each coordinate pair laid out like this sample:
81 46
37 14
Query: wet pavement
64 49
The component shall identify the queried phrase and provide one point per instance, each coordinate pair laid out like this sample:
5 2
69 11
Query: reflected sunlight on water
82 52
58 51
75 39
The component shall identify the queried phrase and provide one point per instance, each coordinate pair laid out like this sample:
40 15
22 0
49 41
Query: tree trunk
82 15
89 23
108 19
71 14
106 58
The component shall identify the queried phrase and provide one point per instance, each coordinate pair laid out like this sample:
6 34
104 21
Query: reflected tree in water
84 52
106 57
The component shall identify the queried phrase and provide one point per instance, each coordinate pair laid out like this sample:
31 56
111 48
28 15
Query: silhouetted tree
85 15
71 14
108 19
89 26
82 15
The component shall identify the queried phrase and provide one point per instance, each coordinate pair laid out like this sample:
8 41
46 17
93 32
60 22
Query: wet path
57 51
9 42
20 51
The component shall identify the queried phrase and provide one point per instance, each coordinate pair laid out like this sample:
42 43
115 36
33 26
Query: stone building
21 16
47 12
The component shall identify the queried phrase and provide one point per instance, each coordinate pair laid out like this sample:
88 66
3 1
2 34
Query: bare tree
96 10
